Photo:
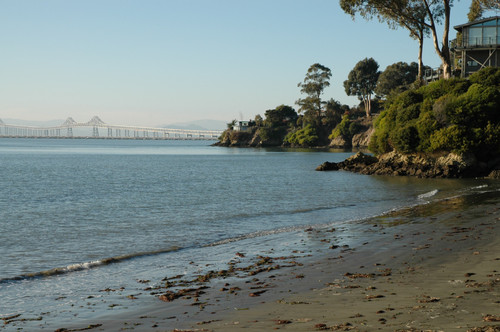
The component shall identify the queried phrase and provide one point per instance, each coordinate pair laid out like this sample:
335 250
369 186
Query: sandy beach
433 267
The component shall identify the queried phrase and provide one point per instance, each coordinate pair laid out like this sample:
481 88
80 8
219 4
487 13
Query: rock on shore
394 163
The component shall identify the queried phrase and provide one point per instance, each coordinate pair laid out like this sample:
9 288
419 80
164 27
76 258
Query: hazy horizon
153 62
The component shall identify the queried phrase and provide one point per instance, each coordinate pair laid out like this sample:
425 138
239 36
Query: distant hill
198 125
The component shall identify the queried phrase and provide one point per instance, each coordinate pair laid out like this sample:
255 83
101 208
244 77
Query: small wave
479 187
84 266
428 194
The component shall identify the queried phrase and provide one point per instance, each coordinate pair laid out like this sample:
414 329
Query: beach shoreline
430 267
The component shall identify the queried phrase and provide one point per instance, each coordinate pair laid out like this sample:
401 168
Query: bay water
78 216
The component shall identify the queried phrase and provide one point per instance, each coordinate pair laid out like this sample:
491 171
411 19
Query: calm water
68 205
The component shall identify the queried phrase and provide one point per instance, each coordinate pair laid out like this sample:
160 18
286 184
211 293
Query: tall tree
425 14
316 80
362 81
395 13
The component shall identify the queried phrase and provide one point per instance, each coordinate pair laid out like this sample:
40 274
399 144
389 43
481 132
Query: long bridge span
96 128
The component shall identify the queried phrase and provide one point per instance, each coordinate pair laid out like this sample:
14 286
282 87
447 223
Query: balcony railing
479 41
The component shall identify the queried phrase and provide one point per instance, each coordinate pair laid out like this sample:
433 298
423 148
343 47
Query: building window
475 36
472 63
489 35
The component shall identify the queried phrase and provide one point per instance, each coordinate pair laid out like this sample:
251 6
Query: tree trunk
444 51
367 101
420 76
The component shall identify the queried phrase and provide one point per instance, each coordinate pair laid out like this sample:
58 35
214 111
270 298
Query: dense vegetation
458 115
451 115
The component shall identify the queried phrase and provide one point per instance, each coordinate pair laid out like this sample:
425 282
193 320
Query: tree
316 80
395 13
280 116
396 77
333 113
477 7
362 81
420 14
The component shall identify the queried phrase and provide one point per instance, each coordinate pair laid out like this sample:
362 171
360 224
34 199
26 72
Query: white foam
428 194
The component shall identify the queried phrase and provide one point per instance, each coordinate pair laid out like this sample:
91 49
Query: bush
272 133
489 76
452 138
306 136
347 128
449 115
434 90
475 107
406 139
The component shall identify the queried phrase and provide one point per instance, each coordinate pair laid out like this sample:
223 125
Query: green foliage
449 115
333 113
362 80
396 78
280 116
406 139
347 128
476 107
275 134
306 136
487 76
434 90
316 80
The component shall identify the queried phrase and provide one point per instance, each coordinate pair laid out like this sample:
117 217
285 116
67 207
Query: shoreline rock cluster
393 163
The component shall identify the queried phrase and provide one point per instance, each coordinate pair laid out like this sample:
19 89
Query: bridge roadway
66 130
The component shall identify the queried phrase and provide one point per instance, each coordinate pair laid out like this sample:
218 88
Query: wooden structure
479 45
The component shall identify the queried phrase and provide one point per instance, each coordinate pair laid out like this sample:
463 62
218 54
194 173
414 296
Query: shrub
426 125
272 133
347 128
475 107
406 139
489 76
306 136
440 88
449 115
408 113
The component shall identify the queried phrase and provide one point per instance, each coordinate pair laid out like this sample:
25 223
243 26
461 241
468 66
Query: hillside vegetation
454 115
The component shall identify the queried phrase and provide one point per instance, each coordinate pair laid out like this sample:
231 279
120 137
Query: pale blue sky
153 62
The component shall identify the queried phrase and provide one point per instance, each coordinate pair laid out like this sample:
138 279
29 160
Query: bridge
96 128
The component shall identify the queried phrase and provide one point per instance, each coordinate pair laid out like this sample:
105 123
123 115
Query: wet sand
433 267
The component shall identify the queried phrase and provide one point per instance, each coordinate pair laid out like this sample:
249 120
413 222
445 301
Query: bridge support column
95 132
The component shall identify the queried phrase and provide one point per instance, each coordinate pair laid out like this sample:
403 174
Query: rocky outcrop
339 142
362 139
394 163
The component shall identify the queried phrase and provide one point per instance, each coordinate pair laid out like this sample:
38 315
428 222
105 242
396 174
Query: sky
157 62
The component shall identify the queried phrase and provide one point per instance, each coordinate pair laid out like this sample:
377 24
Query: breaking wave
84 266
428 194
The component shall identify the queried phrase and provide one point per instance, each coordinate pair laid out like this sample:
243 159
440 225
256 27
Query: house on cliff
242 125
479 45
